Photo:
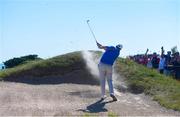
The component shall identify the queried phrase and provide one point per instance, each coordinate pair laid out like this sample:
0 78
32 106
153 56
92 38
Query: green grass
112 114
165 90
58 65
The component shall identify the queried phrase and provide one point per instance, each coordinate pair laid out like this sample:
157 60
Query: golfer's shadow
96 107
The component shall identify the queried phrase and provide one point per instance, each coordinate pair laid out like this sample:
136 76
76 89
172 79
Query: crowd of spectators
168 64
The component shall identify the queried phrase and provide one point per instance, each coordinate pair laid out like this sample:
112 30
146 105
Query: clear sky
53 27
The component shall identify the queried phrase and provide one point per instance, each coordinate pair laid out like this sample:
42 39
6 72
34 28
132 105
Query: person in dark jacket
176 65
155 61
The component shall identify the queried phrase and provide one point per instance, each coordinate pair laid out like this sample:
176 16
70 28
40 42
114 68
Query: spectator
149 64
145 58
161 62
167 69
176 65
155 61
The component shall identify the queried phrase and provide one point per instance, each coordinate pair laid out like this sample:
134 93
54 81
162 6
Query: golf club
91 30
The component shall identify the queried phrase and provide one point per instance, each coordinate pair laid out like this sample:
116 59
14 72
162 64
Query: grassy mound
67 68
163 89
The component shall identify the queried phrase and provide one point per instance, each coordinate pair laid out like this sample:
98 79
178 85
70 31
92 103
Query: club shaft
92 32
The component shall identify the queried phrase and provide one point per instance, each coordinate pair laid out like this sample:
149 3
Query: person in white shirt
162 61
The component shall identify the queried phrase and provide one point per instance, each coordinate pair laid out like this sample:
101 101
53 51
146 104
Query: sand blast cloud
91 63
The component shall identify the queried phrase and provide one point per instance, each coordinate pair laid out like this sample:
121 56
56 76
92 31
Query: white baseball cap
119 46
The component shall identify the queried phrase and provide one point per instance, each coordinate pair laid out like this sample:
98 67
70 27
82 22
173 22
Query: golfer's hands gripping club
99 45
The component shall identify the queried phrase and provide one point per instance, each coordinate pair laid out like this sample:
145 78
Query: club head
88 21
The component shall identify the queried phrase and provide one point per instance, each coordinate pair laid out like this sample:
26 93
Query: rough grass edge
165 90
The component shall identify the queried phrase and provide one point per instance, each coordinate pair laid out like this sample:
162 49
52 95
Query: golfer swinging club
105 68
105 65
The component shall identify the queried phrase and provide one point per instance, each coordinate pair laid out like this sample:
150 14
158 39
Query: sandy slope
71 99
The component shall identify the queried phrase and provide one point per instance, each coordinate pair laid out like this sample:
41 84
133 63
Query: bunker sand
18 99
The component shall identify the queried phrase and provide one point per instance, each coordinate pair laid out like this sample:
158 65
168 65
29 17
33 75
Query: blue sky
53 27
